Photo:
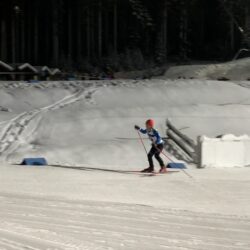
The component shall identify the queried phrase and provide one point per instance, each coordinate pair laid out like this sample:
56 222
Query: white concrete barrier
226 151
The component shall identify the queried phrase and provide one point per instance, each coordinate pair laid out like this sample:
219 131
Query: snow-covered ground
233 70
88 198
57 208
92 122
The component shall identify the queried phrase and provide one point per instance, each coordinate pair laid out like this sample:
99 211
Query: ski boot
148 170
163 170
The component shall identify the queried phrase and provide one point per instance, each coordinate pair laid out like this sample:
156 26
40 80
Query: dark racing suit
157 147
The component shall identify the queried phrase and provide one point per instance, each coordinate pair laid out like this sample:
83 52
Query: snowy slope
88 199
93 123
238 70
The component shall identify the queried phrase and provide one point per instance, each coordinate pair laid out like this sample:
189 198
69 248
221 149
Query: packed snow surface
89 198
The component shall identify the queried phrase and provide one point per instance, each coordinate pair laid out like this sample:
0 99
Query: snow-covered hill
88 199
92 122
237 70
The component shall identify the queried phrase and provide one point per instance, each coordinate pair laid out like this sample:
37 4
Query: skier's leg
150 157
158 157
150 160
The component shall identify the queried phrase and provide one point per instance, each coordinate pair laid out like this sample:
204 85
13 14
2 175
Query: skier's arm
143 131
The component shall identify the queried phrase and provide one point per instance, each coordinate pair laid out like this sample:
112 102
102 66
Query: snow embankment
92 123
238 70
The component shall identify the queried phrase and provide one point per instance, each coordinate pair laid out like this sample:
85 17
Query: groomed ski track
33 223
96 207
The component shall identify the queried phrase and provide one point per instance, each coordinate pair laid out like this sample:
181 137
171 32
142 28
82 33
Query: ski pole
167 156
142 143
161 151
187 174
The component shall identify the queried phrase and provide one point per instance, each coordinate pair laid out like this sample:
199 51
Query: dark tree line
124 34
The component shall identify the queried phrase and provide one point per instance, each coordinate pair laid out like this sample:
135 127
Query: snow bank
234 70
91 123
226 151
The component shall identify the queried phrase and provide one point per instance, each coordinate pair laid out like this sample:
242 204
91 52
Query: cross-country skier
157 146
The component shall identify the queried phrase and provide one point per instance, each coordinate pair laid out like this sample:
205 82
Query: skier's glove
137 127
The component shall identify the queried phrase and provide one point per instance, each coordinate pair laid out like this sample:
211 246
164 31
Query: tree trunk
106 33
22 39
231 28
29 28
92 34
115 27
161 41
164 27
183 30
17 30
48 40
79 32
3 41
13 35
36 39
100 29
88 36
247 26
232 38
70 36
55 36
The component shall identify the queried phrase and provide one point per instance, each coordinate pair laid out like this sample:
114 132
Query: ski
152 173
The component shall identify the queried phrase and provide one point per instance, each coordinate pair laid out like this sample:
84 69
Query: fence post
182 141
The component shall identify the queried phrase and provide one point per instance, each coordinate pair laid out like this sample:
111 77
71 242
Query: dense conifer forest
123 34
